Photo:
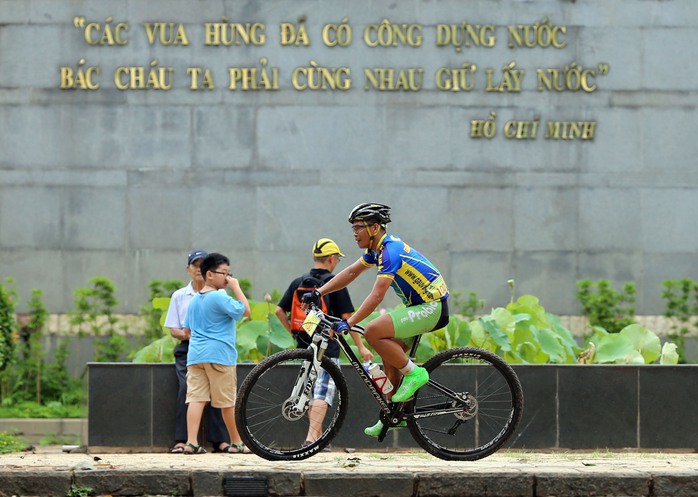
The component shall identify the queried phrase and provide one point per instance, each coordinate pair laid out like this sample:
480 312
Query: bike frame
487 398
391 413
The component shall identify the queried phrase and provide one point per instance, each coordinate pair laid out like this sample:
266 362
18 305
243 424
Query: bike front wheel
264 416
469 409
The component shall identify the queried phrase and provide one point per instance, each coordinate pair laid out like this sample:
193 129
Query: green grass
9 442
34 410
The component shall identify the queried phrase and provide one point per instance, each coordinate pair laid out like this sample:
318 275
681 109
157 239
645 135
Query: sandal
178 448
237 449
228 449
218 448
191 449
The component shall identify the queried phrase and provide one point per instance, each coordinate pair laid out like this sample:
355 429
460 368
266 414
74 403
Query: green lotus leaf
480 338
495 332
248 334
461 331
669 354
598 334
528 304
612 348
635 357
530 352
644 341
279 335
521 316
161 350
259 311
505 321
551 344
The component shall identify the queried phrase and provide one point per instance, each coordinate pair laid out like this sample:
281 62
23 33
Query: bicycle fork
297 404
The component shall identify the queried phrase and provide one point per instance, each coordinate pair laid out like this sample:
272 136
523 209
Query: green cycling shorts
418 319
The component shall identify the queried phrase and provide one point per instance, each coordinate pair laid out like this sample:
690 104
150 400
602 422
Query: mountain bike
469 408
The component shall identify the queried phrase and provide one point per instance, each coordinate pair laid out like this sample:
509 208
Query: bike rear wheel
264 421
481 419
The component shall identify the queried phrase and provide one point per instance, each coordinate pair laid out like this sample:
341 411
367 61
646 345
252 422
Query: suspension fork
303 387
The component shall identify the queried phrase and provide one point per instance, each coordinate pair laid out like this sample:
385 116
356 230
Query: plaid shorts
324 385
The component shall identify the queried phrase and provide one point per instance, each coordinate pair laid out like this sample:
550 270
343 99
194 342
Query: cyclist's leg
409 322
380 334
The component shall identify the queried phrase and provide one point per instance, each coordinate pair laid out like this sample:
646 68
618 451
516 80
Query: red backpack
308 284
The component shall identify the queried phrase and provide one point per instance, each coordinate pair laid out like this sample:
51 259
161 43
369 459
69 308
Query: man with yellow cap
326 256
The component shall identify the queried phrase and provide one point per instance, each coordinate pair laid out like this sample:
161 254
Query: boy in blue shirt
212 356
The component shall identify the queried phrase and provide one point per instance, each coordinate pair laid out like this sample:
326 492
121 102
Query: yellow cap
324 247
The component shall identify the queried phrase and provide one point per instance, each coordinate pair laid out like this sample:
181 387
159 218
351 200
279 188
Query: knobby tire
259 408
481 428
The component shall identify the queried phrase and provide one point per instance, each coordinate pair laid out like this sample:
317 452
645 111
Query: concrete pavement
51 472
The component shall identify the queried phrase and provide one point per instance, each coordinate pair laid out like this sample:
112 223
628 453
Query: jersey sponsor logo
432 290
424 312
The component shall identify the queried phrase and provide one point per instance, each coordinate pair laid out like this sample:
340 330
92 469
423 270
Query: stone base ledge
34 429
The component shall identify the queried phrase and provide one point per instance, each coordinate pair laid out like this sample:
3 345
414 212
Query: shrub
93 312
681 298
605 306
8 324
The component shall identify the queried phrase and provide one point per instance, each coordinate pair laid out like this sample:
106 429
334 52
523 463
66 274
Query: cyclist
415 280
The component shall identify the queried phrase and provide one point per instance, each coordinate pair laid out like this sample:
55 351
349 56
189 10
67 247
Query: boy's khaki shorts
212 382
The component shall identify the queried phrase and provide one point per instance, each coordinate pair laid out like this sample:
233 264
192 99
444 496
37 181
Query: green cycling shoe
412 382
375 430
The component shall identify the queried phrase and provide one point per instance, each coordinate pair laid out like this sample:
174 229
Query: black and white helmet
379 213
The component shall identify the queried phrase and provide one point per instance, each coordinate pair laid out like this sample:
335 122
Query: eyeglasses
222 272
357 227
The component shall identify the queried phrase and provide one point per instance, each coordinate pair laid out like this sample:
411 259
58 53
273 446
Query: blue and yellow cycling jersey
415 279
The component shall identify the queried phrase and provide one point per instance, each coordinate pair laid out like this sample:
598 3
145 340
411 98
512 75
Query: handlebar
328 320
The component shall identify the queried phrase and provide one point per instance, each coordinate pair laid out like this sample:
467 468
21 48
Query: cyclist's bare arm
364 352
380 288
343 278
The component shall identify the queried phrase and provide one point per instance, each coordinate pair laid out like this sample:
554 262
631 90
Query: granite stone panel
286 135
538 426
120 406
154 204
164 404
604 221
477 210
672 227
48 483
677 142
545 219
225 135
94 218
474 485
548 276
592 485
118 483
675 485
45 229
331 483
598 406
664 427
608 157
492 270
656 57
